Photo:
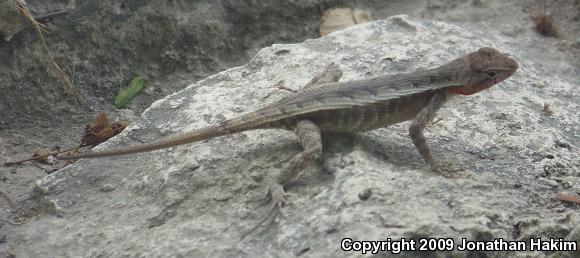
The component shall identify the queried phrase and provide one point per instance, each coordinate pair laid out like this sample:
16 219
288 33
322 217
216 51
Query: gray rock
192 200
11 21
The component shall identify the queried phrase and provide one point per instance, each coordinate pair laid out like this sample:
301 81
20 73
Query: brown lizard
352 106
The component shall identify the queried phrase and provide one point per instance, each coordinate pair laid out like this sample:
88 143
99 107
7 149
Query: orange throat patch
466 90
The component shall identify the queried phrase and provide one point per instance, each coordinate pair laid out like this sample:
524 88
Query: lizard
327 105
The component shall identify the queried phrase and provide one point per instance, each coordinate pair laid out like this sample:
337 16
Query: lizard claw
446 169
276 198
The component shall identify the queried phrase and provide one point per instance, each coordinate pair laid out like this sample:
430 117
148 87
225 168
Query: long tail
243 123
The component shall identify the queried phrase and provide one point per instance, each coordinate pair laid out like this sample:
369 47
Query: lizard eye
491 74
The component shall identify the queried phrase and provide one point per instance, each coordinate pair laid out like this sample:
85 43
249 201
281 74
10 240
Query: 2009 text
396 246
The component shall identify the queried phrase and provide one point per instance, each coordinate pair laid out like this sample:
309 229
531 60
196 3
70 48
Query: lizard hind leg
308 134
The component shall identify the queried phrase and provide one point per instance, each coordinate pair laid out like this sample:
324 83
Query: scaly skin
353 106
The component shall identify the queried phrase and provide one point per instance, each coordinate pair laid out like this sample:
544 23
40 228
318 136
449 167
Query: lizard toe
276 196
446 169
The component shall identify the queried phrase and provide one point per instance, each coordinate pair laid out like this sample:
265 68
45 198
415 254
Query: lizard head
487 67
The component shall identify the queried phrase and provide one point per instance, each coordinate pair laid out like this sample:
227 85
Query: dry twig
66 82
74 149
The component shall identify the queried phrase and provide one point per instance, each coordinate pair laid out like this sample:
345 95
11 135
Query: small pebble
365 194
107 188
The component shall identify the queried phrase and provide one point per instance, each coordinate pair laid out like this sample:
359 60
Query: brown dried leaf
568 198
545 25
109 131
101 130
101 121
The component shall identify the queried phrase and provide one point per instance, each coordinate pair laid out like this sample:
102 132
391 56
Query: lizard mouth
472 89
477 88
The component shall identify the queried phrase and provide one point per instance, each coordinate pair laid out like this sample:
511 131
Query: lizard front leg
309 137
330 74
418 124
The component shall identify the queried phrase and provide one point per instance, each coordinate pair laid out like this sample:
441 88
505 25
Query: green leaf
127 94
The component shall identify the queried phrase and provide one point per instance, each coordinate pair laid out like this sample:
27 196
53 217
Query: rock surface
11 21
193 200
